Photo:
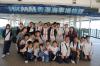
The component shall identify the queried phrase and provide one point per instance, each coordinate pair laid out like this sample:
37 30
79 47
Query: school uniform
19 29
46 56
39 28
30 39
65 52
87 48
52 35
48 53
31 30
65 49
21 48
7 34
49 47
36 51
81 50
54 50
41 54
73 55
66 30
19 38
40 39
29 54
45 34
59 36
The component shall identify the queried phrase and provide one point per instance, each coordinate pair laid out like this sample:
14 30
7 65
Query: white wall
60 2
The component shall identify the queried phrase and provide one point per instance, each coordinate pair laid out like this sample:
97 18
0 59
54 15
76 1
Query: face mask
8 28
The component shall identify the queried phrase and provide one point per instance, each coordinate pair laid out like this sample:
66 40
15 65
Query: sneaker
3 55
8 53
26 61
35 60
77 61
72 61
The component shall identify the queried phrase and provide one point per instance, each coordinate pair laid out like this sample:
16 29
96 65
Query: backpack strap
66 46
7 33
60 47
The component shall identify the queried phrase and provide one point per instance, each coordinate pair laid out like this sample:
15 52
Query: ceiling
93 3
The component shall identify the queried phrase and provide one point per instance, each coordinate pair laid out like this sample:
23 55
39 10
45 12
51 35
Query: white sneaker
26 61
8 53
3 55
73 61
35 60
77 61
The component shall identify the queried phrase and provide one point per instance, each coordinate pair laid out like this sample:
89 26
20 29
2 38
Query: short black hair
82 37
66 36
47 41
37 31
29 42
26 35
54 41
40 44
7 25
36 41
87 36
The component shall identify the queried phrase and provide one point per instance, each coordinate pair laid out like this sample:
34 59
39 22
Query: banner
46 9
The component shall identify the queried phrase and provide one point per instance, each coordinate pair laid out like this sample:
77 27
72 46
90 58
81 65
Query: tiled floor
15 60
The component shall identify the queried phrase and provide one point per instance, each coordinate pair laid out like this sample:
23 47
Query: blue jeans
29 56
46 58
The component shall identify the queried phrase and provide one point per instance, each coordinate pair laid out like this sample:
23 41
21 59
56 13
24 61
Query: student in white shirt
45 32
75 51
82 42
31 28
60 33
23 43
41 53
66 29
55 47
48 45
7 34
54 50
39 26
36 49
65 49
29 52
31 38
87 48
47 51
38 37
52 33
19 37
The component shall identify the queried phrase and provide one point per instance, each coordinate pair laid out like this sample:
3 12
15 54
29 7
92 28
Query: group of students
48 42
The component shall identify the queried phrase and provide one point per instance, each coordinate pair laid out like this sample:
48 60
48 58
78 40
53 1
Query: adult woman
72 34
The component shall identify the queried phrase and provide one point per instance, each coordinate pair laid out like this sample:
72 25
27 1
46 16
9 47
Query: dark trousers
6 47
51 56
73 55
82 55
64 60
28 56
